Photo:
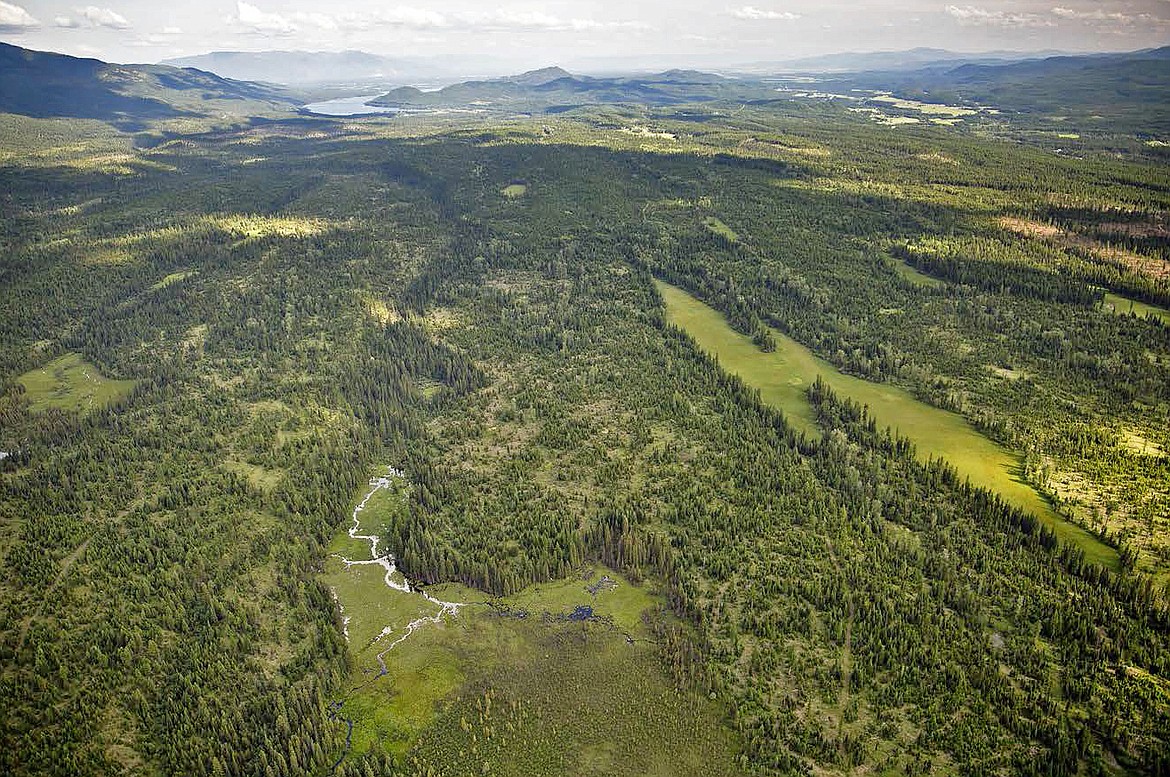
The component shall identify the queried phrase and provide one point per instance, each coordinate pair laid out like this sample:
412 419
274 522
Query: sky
582 33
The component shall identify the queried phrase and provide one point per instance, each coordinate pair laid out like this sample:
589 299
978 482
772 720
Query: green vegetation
719 229
930 109
576 692
784 376
1124 307
73 384
909 274
514 190
359 292
174 277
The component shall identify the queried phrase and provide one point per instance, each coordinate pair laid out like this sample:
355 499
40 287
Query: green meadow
512 685
1124 306
71 383
908 273
783 377
719 229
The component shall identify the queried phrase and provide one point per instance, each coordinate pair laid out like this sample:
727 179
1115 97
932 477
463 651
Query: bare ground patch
1138 263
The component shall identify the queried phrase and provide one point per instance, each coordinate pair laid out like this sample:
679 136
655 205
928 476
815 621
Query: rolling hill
1129 91
48 85
557 89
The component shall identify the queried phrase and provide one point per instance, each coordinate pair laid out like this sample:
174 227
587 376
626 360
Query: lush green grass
71 383
1124 306
908 273
783 377
569 699
581 697
717 227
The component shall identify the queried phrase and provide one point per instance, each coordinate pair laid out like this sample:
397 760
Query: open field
718 228
71 383
1124 306
569 664
908 273
783 377
930 109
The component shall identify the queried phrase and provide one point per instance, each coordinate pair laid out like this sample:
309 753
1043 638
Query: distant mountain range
554 88
44 84
911 59
1128 91
302 68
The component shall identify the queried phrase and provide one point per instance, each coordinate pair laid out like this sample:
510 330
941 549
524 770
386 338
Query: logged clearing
71 383
783 378
252 226
1131 260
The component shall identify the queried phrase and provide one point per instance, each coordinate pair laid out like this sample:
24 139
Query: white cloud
13 18
972 15
418 18
103 17
267 23
263 22
499 19
171 31
527 19
1096 15
1112 22
750 12
66 22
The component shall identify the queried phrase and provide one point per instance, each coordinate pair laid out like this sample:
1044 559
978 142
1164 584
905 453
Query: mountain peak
540 77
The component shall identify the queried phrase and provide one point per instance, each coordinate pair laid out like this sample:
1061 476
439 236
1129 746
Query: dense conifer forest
211 342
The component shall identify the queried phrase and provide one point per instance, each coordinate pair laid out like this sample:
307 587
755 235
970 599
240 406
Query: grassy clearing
908 273
928 109
511 685
514 190
260 477
783 377
73 384
719 229
1124 306
174 277
1139 445
966 198
571 700
255 226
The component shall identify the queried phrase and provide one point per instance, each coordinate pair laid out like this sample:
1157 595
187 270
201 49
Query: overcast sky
579 32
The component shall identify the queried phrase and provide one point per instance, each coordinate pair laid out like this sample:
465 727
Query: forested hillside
208 349
43 84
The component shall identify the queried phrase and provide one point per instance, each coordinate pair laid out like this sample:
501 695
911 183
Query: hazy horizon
579 33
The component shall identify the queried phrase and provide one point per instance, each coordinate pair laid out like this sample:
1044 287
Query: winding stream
386 562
